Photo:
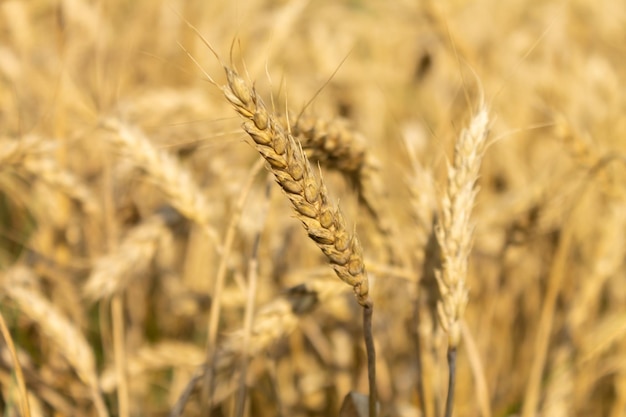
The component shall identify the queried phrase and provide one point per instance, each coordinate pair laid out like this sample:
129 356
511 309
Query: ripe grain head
308 195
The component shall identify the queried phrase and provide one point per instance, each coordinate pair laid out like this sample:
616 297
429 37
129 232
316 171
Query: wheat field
200 199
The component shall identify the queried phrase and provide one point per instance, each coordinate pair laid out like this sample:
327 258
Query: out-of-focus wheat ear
34 157
272 322
608 255
454 232
166 172
39 388
17 283
331 143
115 271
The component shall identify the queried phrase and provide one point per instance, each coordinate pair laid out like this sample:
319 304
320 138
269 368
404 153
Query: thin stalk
252 286
178 408
19 376
117 305
451 381
117 315
368 310
216 302
253 266
418 358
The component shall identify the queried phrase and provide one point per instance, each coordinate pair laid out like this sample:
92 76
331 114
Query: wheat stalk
19 375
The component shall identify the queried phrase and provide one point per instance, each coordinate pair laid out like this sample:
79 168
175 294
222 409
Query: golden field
151 264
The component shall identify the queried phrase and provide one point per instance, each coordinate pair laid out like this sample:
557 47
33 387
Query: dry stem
19 375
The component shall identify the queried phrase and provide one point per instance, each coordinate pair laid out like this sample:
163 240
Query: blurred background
127 187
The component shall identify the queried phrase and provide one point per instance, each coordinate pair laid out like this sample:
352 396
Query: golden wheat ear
308 195
309 198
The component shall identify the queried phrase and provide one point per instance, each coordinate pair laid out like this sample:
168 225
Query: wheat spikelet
454 229
171 178
308 195
114 272
71 342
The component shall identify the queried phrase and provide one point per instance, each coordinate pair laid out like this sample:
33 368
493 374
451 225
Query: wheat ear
33 155
454 230
308 195
174 180
309 198
113 272
454 234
